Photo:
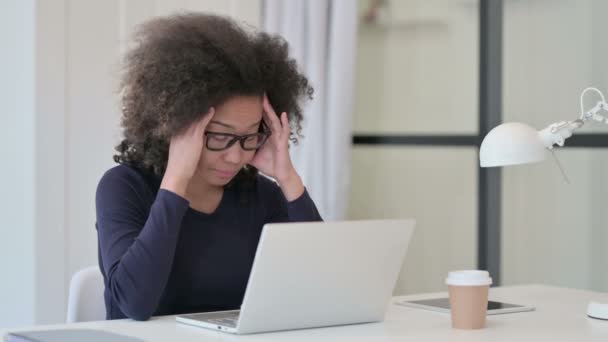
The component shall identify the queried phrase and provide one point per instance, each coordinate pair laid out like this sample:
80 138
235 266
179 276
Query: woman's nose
234 153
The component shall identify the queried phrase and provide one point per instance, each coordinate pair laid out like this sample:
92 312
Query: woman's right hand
184 153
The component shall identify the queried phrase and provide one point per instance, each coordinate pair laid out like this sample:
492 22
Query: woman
179 218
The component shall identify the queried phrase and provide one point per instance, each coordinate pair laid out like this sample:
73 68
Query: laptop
317 274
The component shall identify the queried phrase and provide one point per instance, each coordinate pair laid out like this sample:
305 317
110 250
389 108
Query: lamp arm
594 113
586 115
557 133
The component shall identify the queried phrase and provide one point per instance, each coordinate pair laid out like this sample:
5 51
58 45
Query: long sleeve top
158 256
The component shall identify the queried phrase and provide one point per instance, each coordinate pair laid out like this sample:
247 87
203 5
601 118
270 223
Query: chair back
85 300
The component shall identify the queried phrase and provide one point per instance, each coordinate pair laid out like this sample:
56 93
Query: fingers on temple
273 121
204 121
278 124
285 124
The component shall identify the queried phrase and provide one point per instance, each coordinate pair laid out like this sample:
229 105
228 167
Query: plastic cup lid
468 278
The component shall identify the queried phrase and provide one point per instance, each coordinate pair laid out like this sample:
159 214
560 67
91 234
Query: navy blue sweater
158 256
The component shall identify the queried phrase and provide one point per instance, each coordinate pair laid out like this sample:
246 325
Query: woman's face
239 115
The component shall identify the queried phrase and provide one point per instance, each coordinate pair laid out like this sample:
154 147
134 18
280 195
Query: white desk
560 316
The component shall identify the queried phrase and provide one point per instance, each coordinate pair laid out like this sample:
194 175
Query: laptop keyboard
228 320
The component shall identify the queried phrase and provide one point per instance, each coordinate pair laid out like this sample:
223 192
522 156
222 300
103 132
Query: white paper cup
468 298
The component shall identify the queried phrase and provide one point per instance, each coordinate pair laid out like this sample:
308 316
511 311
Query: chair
85 300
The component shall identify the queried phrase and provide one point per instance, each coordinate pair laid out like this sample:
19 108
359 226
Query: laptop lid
322 274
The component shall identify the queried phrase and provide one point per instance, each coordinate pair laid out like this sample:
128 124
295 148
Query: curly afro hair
181 65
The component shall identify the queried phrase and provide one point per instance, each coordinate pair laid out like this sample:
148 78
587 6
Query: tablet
443 305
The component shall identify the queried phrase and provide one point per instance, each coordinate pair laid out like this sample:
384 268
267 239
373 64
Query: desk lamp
517 143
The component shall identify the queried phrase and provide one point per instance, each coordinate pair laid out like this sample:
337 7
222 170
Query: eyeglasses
222 141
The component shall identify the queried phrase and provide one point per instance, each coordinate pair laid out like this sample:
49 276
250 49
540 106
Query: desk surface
560 316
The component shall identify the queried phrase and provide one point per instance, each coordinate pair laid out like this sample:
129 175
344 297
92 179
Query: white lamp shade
510 144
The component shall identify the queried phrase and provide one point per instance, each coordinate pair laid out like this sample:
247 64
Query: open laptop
317 274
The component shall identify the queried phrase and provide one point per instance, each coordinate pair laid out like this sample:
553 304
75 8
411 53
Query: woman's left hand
273 157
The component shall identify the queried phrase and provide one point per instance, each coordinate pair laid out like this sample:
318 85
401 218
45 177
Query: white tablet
443 305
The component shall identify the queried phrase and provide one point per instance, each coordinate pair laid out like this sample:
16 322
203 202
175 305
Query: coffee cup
468 298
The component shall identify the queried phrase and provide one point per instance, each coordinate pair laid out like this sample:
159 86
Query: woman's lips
224 173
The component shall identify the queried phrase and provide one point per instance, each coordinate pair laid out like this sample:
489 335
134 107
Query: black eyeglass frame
240 138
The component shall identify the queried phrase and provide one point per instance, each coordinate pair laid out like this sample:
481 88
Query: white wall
50 150
61 123
417 73
554 232
17 204
418 68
